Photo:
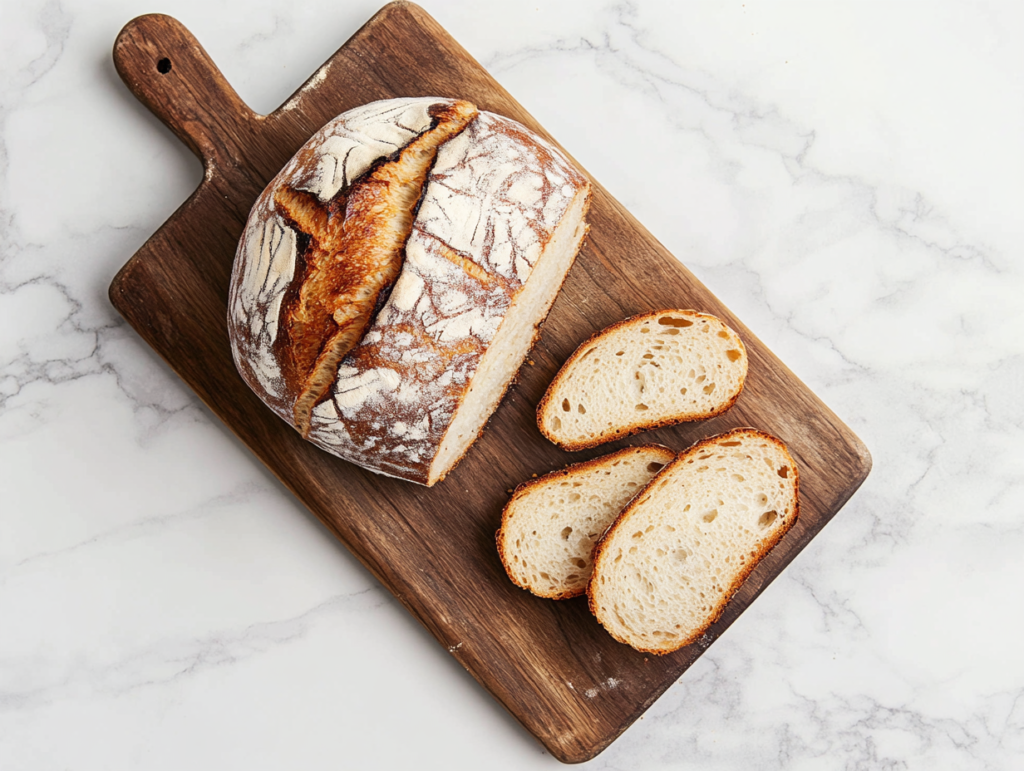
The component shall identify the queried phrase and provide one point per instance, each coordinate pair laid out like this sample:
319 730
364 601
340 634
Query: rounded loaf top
381 264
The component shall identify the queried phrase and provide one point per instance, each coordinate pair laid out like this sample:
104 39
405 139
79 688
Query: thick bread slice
550 525
665 570
642 373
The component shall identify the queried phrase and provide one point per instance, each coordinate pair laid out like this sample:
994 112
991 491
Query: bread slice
665 570
645 372
550 525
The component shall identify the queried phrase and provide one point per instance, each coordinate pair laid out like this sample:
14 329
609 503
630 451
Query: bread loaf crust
491 203
600 551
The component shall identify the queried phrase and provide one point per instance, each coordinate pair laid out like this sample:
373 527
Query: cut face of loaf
642 373
666 569
391 279
550 525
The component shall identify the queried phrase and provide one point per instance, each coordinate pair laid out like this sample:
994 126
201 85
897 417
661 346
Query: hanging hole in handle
163 66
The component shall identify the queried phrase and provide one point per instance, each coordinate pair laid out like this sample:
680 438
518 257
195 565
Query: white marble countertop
847 177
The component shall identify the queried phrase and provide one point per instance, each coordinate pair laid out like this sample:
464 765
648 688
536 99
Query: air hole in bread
638 534
701 378
784 472
672 321
579 562
733 354
566 532
710 516
655 467
556 423
723 334
738 477
565 405
767 518
620 353
733 444
581 409
708 388
648 355
682 391
669 332
641 407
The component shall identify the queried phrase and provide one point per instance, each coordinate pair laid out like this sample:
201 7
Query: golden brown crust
622 432
570 470
355 253
765 547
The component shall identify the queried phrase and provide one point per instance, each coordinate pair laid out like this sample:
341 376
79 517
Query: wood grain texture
434 549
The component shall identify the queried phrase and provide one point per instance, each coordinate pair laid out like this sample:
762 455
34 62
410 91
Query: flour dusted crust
265 263
497 201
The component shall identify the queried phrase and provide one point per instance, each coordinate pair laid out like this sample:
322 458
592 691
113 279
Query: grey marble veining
845 176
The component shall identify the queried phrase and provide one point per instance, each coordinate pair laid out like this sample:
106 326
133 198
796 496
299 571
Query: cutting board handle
166 68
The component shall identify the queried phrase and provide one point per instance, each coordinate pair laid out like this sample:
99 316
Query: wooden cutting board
549 663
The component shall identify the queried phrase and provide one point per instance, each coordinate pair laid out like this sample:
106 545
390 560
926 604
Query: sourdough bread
644 372
391 278
665 570
550 525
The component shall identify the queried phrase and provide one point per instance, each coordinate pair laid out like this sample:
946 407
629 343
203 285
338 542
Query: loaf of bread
666 568
642 373
550 525
391 278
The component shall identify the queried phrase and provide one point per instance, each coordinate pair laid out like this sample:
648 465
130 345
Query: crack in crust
355 254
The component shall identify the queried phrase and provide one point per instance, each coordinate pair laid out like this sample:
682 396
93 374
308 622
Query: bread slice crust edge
635 428
737 582
667 454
